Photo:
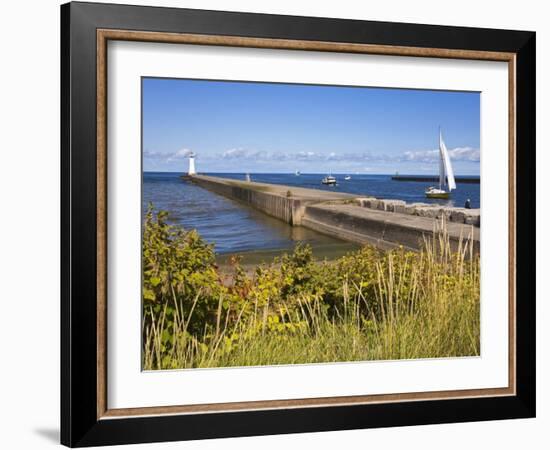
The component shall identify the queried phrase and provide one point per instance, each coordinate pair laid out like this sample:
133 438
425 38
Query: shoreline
250 259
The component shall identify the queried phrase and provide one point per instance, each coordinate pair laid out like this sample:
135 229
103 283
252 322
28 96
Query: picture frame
86 418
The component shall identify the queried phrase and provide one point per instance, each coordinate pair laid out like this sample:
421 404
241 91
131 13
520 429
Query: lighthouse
192 170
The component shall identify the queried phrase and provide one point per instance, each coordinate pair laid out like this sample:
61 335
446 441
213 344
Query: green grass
368 305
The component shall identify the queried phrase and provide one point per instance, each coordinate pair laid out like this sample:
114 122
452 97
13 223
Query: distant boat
446 175
347 178
329 180
247 177
297 173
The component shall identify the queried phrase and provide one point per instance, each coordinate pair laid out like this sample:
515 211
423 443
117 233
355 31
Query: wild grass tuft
367 305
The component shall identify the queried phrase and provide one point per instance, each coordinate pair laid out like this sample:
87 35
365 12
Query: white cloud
309 155
306 155
465 154
426 156
182 153
178 155
150 154
456 154
421 155
234 153
259 155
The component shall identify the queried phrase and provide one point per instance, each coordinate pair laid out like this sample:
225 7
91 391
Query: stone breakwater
383 229
384 223
458 215
286 203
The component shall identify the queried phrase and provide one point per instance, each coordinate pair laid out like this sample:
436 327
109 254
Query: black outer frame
79 423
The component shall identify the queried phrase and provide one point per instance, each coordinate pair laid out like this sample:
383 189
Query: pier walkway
384 223
381 228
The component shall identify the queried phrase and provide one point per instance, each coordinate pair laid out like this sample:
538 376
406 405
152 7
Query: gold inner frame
104 35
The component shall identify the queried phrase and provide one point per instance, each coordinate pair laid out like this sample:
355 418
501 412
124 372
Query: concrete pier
380 228
286 203
384 223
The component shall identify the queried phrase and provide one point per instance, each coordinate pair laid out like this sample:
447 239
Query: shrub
180 280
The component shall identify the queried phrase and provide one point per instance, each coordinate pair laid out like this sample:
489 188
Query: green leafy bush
180 280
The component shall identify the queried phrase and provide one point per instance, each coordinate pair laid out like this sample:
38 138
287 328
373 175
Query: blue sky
269 127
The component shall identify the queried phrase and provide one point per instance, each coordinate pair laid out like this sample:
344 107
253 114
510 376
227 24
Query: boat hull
437 194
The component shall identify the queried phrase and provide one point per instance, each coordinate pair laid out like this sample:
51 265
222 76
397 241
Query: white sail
445 164
441 170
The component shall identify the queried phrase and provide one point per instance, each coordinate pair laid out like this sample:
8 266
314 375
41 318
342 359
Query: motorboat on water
329 180
347 178
446 174
297 173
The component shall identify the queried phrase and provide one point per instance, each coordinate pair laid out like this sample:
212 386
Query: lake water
235 228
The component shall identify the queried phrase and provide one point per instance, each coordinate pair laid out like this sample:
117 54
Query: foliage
180 281
366 305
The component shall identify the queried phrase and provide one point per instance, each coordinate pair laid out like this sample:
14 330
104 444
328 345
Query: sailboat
446 174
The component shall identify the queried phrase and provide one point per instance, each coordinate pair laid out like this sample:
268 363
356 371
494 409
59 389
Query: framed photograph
277 224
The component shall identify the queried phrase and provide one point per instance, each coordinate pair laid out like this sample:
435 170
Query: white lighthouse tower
192 170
